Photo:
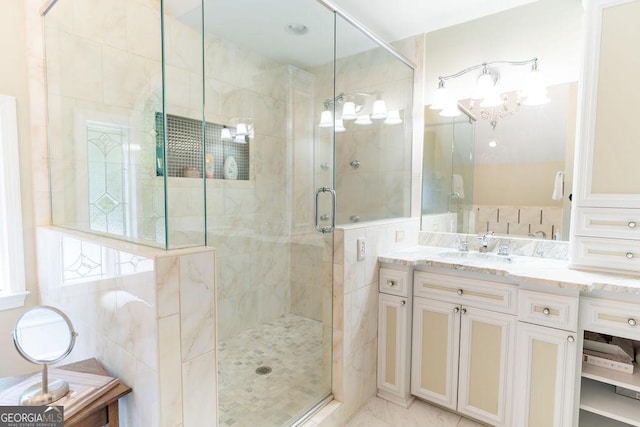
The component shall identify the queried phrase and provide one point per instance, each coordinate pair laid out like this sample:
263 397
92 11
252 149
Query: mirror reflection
44 335
514 179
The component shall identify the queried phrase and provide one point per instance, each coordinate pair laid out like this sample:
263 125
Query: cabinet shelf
600 398
630 381
589 419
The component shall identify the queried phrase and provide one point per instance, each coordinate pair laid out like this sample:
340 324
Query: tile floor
292 347
381 413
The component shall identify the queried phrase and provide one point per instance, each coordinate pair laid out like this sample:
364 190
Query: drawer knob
570 338
632 322
456 310
403 302
464 311
546 311
392 283
632 224
460 292
629 255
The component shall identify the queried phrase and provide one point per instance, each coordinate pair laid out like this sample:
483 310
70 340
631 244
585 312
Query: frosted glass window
107 157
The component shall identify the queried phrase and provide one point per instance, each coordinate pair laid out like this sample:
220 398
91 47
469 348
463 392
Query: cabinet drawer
394 282
462 290
612 223
610 317
556 311
615 254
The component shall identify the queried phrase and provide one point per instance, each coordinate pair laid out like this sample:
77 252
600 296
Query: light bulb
240 139
379 110
484 86
450 109
393 118
492 99
225 134
349 111
363 120
326 119
440 97
241 129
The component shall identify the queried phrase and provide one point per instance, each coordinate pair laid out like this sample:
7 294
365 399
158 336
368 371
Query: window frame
12 269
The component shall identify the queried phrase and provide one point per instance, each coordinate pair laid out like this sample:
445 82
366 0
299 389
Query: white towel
457 186
558 186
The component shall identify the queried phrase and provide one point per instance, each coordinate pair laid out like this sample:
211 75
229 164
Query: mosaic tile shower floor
292 347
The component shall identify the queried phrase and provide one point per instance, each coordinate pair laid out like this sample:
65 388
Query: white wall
17 53
547 29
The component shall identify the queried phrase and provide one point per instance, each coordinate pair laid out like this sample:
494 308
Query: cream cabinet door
487 342
545 375
609 126
394 332
435 349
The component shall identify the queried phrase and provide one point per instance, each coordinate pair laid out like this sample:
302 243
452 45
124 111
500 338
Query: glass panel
184 150
104 88
273 269
448 171
373 153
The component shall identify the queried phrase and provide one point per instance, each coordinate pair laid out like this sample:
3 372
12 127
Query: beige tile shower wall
355 313
155 329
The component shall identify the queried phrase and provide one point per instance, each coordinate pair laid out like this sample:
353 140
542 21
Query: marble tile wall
150 320
554 249
355 312
540 221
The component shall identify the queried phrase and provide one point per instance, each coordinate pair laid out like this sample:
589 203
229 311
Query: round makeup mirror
44 335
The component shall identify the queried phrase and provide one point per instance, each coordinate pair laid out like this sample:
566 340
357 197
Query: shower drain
263 370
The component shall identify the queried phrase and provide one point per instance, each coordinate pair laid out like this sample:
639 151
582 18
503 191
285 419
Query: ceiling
261 25
398 19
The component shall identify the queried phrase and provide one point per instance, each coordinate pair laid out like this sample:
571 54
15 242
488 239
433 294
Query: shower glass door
268 67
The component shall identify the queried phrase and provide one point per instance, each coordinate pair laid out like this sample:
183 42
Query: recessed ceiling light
297 29
493 143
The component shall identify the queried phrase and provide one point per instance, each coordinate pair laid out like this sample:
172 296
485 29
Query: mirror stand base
34 396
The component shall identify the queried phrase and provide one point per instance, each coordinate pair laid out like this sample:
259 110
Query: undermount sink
479 256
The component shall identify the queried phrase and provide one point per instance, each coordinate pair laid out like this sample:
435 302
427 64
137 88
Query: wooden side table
101 412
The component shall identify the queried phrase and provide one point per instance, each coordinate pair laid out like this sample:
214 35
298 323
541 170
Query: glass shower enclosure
179 124
447 175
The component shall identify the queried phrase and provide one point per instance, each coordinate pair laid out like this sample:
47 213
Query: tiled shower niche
184 149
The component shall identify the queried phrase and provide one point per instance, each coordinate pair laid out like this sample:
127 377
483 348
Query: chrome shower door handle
332 193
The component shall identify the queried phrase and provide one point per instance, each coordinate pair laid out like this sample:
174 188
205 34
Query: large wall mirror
514 179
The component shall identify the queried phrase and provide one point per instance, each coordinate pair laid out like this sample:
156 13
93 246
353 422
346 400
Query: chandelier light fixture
491 104
356 107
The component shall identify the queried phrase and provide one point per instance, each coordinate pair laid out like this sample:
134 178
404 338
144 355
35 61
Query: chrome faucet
484 241
539 232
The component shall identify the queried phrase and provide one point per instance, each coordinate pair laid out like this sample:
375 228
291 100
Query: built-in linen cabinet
463 343
606 213
546 356
394 335
599 404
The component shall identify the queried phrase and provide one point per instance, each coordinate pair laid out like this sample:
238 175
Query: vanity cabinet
546 357
599 404
394 335
463 344
606 213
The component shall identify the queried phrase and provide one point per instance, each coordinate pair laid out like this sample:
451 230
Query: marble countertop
535 270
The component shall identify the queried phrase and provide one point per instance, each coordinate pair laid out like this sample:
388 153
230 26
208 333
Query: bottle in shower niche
208 165
230 169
